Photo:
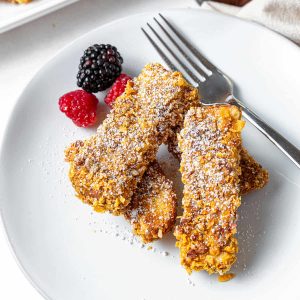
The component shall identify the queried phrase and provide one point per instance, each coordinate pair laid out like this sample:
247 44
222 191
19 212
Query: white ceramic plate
13 15
69 252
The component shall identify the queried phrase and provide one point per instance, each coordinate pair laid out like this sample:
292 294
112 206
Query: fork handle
291 151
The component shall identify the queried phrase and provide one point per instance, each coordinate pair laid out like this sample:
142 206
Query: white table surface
23 51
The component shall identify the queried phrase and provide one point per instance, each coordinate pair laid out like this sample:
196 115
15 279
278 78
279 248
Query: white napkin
282 16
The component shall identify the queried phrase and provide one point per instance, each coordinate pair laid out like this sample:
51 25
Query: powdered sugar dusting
210 143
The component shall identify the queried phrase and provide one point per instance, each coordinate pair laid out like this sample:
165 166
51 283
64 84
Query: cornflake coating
253 176
210 143
106 168
19 1
152 210
162 94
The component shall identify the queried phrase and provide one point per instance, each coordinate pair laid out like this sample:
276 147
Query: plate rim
27 17
19 100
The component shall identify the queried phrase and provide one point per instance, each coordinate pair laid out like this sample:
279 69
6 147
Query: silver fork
215 86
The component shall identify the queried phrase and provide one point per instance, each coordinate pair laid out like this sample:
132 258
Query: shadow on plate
254 221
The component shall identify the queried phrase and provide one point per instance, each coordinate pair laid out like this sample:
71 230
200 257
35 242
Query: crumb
226 277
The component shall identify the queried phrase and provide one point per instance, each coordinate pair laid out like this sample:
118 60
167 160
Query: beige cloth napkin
282 16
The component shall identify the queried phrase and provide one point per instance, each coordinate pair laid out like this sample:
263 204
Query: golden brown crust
152 210
253 176
19 1
210 143
106 168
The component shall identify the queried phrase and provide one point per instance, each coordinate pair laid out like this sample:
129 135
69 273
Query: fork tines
175 47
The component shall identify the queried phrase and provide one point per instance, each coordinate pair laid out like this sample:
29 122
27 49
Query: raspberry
117 89
80 106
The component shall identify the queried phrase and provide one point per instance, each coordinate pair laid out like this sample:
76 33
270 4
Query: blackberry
99 67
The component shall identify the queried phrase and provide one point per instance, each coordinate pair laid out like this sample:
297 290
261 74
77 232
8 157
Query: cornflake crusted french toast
152 210
253 175
105 169
210 143
19 1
